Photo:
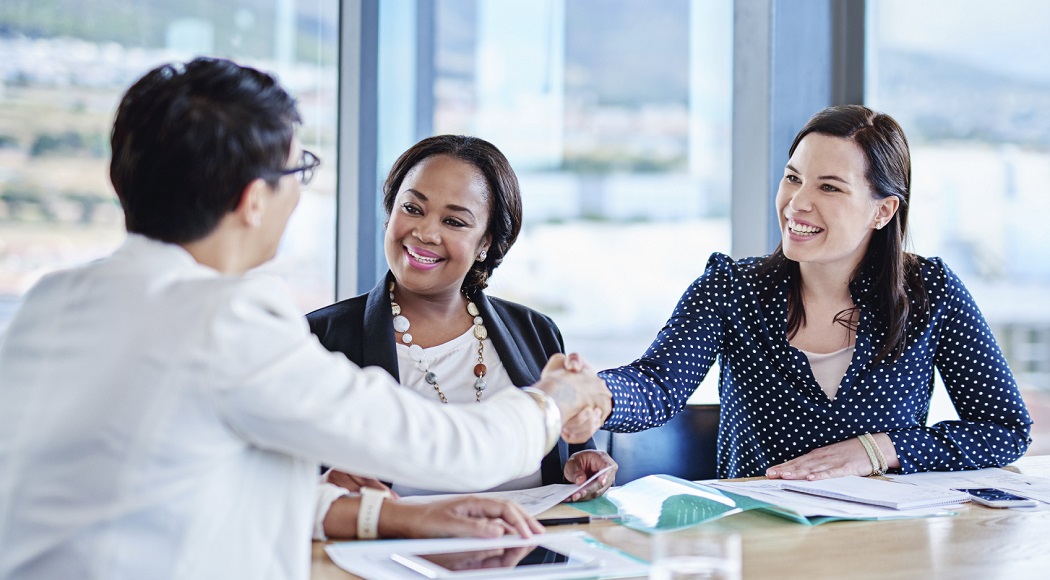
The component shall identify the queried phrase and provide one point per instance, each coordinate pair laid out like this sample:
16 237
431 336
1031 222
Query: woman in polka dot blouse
827 346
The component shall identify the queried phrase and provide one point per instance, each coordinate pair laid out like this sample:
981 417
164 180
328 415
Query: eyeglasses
308 164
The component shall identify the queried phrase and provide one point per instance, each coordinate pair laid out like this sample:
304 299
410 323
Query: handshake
584 400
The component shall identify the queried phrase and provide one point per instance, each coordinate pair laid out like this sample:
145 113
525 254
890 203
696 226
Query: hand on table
582 465
836 460
469 516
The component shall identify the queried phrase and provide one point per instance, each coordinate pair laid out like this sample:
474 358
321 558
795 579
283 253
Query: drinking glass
695 555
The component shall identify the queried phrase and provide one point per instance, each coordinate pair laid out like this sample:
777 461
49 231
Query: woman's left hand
836 460
582 465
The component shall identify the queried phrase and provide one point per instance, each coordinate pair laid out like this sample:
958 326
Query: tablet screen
517 557
453 564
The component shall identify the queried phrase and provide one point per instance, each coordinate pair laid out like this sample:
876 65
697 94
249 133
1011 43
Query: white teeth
802 229
422 259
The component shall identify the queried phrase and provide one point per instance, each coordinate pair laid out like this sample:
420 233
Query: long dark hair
894 273
504 194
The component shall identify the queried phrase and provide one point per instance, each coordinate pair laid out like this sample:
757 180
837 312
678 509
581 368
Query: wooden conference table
979 542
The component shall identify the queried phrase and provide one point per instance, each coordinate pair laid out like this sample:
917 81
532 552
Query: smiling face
825 204
438 225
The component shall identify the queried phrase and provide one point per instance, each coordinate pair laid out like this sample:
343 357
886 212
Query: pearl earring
482 256
878 225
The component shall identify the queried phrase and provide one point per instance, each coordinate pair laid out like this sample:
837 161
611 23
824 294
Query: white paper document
879 492
534 500
1037 488
772 491
375 559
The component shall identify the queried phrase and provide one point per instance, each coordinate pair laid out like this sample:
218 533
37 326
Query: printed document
878 492
535 500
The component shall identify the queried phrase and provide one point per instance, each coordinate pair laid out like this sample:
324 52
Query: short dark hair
895 272
187 140
504 193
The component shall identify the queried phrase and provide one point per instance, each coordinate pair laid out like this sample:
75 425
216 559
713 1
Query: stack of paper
879 492
812 509
1031 486
534 500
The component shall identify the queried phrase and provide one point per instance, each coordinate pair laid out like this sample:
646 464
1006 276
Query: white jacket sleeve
326 494
281 390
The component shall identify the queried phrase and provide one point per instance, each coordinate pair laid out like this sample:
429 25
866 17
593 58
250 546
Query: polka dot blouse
773 410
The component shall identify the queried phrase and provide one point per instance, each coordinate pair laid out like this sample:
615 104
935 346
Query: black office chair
685 446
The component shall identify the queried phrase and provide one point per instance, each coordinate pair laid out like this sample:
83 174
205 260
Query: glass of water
695 555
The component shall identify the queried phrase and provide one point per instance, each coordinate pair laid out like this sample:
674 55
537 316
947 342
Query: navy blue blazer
361 329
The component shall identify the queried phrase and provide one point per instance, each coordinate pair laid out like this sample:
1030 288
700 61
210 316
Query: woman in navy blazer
454 210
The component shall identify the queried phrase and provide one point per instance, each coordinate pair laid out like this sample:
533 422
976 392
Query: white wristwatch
368 512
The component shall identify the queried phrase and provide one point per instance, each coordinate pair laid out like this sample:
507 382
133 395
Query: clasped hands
585 402
582 397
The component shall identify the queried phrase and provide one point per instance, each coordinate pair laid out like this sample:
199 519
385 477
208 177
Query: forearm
889 451
341 520
644 396
955 445
354 420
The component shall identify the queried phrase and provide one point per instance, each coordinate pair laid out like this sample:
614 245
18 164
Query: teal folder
660 503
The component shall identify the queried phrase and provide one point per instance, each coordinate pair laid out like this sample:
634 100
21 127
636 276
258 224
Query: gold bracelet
871 455
551 416
883 465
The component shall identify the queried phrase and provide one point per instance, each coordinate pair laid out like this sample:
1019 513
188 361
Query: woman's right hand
354 483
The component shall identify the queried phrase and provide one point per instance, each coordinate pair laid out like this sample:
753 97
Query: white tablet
515 560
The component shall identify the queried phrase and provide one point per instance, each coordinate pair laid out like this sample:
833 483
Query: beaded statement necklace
419 356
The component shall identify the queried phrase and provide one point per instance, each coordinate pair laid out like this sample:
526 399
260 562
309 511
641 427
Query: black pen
577 520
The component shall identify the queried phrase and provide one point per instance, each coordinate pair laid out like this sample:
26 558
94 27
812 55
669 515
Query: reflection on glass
64 65
964 81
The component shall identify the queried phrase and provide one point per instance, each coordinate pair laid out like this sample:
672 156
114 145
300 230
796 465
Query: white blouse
453 363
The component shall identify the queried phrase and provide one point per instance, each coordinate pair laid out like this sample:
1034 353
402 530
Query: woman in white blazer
163 414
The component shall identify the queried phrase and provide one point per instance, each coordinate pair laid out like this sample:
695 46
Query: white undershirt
453 363
829 368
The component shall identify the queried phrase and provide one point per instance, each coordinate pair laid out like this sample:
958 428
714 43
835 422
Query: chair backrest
685 446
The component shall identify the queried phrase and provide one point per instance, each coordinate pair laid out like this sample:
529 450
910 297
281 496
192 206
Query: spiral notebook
879 492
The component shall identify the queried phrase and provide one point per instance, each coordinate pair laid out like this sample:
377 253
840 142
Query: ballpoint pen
578 520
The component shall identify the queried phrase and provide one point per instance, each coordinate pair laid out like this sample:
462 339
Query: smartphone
515 559
998 498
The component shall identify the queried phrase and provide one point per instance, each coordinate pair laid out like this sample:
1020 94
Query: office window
968 83
616 117
64 65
